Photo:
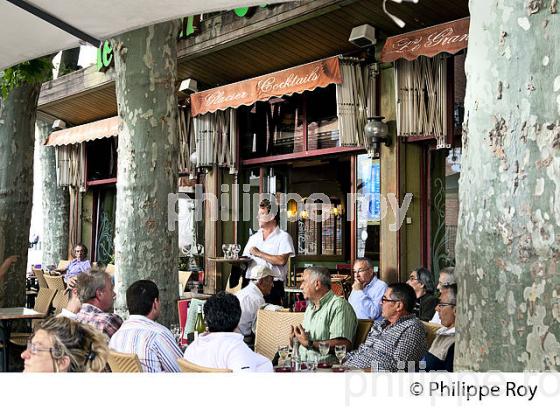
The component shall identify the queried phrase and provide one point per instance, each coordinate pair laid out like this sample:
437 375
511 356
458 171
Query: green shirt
335 318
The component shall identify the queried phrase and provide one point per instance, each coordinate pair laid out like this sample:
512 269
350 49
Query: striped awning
88 132
450 37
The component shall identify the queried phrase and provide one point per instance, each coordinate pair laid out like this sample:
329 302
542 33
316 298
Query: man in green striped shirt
328 318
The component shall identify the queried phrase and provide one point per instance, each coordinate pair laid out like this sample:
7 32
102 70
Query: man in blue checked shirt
367 290
154 344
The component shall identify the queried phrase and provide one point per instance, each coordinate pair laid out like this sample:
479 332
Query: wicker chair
189 367
56 282
273 329
431 329
40 278
124 362
364 325
111 269
42 305
62 265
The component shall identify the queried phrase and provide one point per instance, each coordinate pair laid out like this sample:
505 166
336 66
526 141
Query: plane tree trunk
146 67
508 241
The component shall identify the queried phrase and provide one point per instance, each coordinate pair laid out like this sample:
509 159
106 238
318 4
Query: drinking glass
176 330
283 352
324 350
236 250
224 250
312 363
340 353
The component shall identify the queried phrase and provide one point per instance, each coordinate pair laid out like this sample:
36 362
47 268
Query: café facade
282 106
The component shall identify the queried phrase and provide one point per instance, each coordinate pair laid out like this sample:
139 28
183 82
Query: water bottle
296 359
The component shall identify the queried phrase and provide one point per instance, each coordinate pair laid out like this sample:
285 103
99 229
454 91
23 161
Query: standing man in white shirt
270 246
251 299
367 290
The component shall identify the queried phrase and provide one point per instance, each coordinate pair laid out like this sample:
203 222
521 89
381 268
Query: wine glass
324 349
236 250
283 352
224 250
340 353
312 363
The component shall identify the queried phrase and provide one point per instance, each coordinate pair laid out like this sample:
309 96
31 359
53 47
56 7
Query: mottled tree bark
56 203
17 139
146 67
508 246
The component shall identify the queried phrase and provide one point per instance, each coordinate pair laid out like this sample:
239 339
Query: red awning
449 37
305 77
88 132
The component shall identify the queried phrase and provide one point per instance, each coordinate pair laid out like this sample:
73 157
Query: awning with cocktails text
449 37
298 79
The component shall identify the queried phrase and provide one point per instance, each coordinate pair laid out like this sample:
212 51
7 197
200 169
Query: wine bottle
199 325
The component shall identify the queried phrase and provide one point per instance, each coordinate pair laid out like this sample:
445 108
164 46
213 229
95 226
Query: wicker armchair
56 282
364 326
189 367
431 329
273 329
124 362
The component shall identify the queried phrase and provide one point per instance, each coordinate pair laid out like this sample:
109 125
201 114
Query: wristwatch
309 342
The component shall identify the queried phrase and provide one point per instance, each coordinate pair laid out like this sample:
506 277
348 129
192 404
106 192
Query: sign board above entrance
449 37
298 79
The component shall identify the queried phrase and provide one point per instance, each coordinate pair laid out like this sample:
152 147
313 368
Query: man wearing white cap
251 298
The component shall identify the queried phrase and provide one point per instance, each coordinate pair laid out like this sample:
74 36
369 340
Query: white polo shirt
278 242
226 350
250 299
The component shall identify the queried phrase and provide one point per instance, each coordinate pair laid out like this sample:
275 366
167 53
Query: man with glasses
442 351
367 290
396 343
446 279
79 264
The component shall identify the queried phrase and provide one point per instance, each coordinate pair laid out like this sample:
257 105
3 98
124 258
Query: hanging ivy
30 72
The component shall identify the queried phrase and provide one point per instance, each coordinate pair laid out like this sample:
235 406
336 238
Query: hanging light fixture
397 20
376 132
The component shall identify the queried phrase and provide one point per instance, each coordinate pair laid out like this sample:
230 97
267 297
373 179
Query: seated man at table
442 350
95 290
221 347
396 343
79 264
154 344
328 318
367 290
251 299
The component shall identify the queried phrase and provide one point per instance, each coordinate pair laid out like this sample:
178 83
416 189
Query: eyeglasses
445 284
360 270
441 305
34 349
412 277
384 299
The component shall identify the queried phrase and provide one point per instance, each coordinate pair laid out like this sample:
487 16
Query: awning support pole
49 18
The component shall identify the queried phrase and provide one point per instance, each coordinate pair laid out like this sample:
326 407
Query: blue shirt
76 267
366 302
154 344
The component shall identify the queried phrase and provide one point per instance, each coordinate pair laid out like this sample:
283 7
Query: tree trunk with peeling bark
55 201
508 241
17 139
146 67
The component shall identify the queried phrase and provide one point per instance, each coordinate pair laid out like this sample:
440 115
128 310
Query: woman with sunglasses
60 344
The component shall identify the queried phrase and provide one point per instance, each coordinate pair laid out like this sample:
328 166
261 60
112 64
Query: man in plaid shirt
95 290
398 342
